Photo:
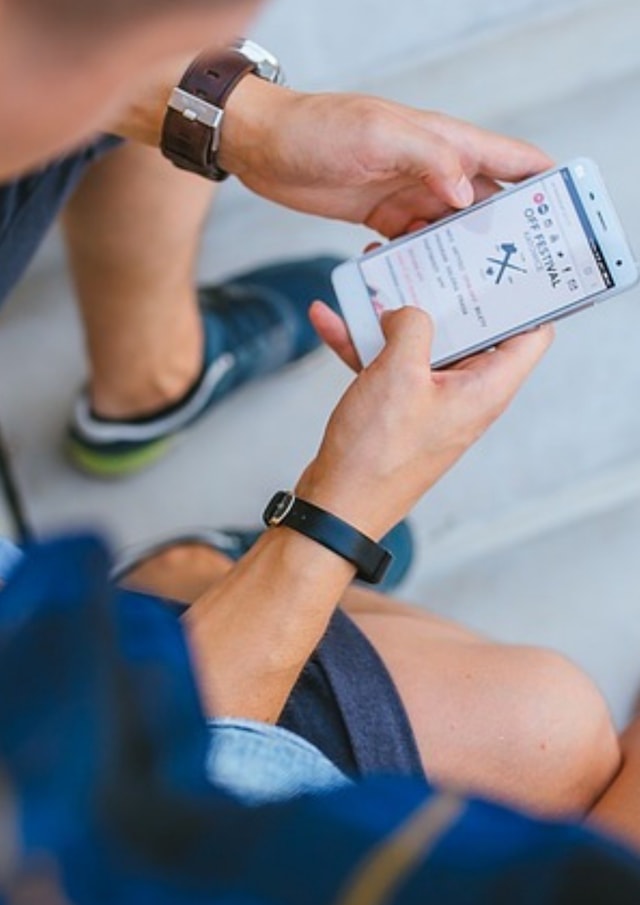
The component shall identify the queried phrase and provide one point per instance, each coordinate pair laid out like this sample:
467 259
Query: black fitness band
370 559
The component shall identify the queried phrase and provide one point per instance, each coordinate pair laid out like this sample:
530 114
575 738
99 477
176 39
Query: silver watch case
267 65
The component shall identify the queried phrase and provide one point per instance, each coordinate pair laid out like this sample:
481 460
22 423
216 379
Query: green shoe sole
116 465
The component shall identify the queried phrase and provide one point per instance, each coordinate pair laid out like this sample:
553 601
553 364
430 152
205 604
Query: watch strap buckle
280 509
196 109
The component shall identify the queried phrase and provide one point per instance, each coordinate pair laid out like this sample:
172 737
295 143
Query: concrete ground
533 537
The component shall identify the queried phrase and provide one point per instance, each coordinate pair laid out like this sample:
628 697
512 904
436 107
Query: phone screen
495 268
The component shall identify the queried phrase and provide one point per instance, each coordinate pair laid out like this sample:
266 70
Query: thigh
518 724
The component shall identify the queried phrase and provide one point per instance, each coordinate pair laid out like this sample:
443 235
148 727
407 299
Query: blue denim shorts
29 206
261 764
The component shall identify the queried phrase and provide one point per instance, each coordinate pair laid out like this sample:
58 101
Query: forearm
252 634
142 118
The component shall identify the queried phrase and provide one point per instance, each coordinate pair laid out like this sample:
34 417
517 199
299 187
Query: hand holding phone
400 426
535 253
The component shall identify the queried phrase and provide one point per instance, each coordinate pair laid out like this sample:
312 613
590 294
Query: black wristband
370 559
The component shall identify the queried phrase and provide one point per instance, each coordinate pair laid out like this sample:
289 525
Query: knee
568 745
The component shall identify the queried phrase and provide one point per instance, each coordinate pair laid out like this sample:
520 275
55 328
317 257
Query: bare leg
618 811
518 725
515 724
183 573
133 230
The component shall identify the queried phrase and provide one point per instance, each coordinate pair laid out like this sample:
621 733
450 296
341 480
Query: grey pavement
533 537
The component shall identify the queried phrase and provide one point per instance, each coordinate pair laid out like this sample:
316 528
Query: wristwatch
195 113
370 559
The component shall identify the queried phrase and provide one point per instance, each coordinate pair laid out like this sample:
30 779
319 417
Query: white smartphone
536 252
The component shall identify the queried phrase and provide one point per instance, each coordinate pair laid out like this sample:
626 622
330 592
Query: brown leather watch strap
191 130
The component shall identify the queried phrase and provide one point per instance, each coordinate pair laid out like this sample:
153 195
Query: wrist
353 501
370 559
372 505
253 115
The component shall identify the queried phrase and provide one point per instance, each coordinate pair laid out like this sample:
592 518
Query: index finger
496 156
510 363
509 159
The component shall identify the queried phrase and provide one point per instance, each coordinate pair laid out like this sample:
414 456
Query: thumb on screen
409 335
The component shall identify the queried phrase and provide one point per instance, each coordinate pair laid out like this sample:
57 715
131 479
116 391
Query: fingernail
464 193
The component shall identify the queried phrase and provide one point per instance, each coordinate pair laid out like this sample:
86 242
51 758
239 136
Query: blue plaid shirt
104 795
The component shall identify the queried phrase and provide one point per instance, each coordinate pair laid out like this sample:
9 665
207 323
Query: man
158 360
102 739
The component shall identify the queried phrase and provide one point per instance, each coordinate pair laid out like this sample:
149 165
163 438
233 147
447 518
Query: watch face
279 508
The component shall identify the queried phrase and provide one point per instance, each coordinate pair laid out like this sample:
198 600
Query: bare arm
400 427
347 156
251 635
396 431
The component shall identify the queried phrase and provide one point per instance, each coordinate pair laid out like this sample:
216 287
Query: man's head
67 66
78 17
